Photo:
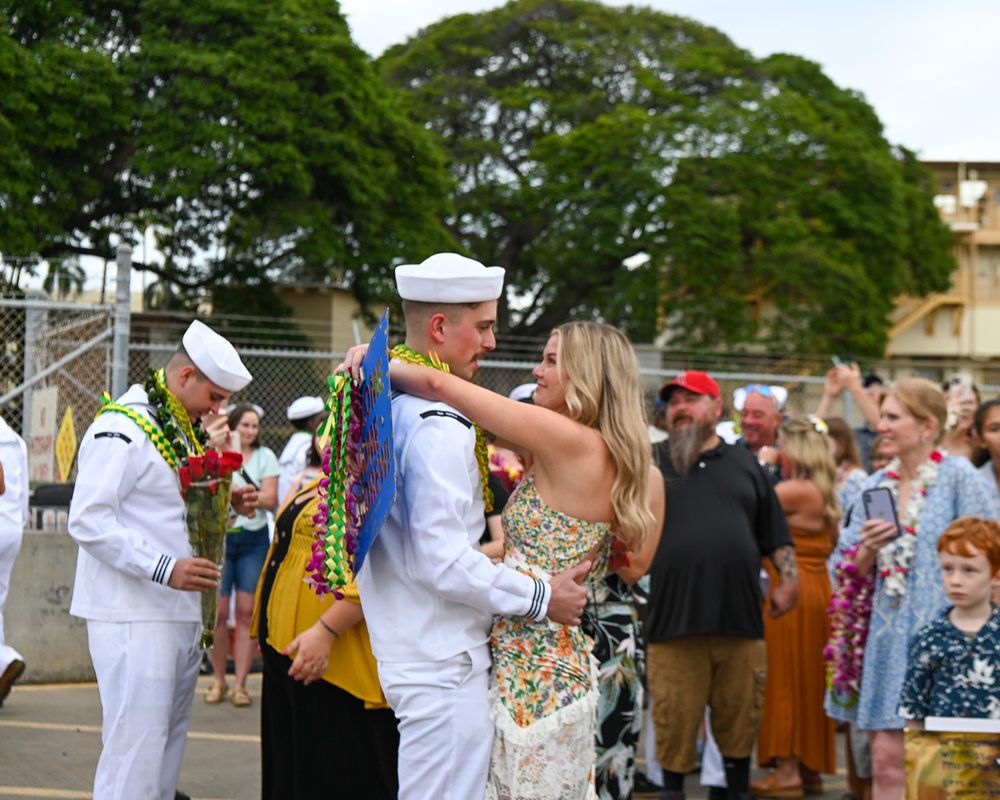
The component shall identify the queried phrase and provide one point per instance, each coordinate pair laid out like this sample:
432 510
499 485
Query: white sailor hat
305 407
449 278
524 392
215 357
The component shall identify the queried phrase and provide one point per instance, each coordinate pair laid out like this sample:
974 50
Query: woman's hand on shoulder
352 361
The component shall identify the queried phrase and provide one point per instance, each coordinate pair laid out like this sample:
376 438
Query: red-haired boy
953 664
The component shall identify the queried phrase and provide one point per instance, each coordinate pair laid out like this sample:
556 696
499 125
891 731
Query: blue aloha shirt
948 675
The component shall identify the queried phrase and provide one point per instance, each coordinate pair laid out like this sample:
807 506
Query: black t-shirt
721 519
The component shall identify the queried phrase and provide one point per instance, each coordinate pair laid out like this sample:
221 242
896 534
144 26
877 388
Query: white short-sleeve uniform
128 517
429 596
13 517
292 461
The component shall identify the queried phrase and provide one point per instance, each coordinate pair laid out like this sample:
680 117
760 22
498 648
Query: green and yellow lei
410 356
169 413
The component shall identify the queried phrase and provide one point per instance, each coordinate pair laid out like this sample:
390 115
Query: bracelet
329 629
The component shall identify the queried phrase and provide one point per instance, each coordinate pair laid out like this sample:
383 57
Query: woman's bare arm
640 561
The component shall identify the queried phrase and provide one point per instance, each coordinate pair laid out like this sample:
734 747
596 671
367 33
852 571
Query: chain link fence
282 374
68 348
56 357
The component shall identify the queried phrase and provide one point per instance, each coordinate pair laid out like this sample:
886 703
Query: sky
929 68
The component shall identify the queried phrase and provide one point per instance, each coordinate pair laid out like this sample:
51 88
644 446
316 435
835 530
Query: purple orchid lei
338 518
850 613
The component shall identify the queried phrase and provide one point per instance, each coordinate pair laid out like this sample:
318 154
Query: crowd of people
556 565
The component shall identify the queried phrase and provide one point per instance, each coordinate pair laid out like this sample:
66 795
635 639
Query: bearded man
704 627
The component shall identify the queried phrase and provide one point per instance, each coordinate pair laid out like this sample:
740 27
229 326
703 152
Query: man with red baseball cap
704 624
694 381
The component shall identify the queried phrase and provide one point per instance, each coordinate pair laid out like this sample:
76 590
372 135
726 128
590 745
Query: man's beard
686 444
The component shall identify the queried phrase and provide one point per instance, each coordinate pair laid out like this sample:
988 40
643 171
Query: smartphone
837 362
880 505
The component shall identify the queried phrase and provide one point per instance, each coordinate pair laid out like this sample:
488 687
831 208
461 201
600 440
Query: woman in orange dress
796 737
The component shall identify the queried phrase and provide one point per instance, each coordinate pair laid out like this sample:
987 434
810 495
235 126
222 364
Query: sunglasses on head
779 393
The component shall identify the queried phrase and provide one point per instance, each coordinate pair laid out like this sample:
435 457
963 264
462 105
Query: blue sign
376 490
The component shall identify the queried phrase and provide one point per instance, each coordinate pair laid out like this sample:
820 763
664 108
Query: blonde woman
796 737
585 488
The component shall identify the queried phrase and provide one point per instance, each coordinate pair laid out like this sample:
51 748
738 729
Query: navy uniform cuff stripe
161 568
536 600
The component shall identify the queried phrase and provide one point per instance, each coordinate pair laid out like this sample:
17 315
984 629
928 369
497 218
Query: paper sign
952 766
377 488
43 433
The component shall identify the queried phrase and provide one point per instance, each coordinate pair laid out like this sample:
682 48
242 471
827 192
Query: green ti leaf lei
169 413
410 356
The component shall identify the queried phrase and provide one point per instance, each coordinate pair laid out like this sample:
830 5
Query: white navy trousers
146 673
445 730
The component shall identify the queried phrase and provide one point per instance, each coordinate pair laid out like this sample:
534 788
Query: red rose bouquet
206 484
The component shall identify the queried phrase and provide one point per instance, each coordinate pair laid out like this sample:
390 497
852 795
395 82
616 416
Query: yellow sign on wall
66 444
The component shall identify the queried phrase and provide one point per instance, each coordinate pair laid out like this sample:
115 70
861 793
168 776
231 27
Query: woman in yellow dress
324 720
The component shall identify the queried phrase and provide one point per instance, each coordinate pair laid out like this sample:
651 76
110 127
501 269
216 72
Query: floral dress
544 692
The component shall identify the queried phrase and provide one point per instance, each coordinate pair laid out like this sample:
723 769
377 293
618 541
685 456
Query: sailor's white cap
526 391
215 357
449 278
305 407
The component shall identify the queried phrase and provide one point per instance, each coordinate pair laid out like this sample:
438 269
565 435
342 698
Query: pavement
50 739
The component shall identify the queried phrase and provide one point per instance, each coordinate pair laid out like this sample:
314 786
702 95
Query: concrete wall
37 621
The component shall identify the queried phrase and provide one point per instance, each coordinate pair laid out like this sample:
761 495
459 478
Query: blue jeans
246 552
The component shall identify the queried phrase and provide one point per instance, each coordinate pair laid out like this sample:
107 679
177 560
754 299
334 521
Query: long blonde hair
811 460
603 391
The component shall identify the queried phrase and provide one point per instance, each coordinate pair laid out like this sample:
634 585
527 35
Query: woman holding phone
930 490
246 548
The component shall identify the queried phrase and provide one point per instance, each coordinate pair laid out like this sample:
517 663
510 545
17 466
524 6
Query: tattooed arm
785 595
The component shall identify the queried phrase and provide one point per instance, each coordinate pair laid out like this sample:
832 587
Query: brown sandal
241 697
769 787
216 692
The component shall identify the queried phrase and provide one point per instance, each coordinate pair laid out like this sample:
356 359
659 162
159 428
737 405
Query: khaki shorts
726 673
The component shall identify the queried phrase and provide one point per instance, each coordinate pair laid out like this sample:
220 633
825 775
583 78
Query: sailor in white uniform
13 518
428 593
304 414
137 584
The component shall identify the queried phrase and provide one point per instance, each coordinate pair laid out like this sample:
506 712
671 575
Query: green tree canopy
638 166
253 136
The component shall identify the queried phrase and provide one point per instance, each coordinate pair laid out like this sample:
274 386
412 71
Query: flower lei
338 519
895 559
410 356
850 612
